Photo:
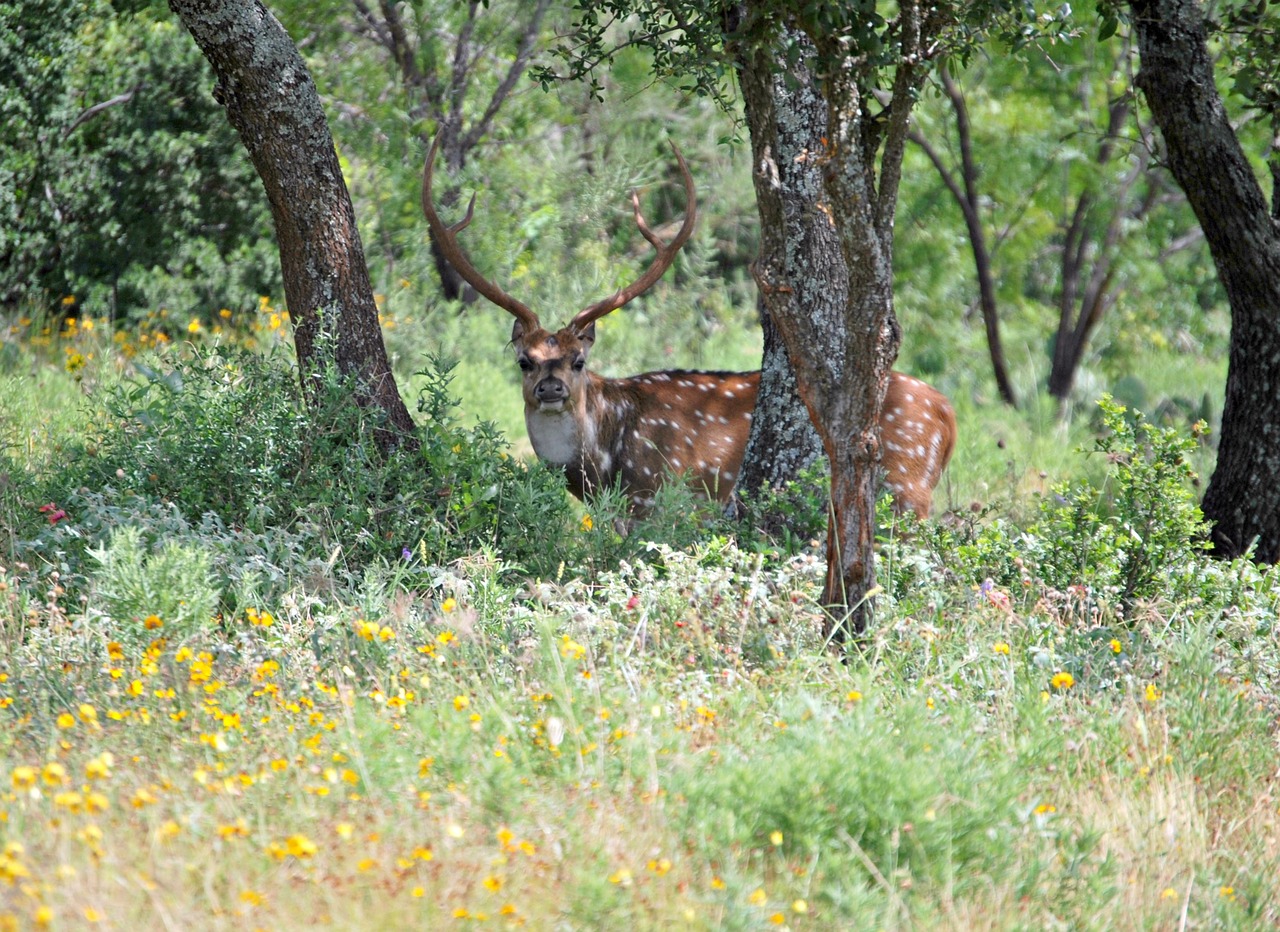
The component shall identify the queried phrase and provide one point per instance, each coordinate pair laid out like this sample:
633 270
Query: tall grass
274 722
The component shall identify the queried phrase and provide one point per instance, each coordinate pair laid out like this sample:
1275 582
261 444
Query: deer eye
524 364
579 364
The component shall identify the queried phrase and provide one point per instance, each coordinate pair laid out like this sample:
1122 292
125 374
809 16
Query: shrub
221 444
147 592
1130 540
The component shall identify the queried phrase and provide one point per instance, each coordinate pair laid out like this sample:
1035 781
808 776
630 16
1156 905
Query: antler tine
447 240
666 252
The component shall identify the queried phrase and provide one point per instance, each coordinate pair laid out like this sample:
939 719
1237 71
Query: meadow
253 678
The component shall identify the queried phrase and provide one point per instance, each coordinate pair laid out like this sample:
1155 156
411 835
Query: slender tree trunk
843 375
828 282
815 300
965 192
844 384
1083 303
271 101
1176 76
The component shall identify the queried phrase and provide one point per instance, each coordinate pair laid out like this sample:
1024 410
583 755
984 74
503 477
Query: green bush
136 585
222 444
1131 539
143 201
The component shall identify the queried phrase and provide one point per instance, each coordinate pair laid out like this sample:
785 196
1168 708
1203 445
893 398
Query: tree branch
461 75
93 111
517 68
906 82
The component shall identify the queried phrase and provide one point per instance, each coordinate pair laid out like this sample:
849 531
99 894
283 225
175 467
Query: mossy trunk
826 179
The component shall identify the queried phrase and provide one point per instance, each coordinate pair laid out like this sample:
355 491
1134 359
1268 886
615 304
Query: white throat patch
554 435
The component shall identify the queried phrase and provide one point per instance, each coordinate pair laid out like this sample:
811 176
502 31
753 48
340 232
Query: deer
636 432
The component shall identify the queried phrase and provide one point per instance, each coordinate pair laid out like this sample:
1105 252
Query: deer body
635 432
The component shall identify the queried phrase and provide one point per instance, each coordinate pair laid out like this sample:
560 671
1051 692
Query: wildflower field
251 685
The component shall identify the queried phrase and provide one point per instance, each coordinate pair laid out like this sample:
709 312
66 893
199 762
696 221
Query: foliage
1252 32
686 41
141 592
223 437
1138 539
650 732
622 753
124 186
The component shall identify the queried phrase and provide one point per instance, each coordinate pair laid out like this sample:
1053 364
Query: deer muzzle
551 391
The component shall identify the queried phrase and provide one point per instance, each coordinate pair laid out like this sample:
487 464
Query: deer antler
446 238
666 253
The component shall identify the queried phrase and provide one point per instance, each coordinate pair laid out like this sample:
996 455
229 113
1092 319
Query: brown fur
636 431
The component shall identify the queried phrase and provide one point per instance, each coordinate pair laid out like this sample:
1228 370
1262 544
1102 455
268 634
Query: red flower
52 512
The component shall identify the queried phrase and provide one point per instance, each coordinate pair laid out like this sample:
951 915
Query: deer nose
551 390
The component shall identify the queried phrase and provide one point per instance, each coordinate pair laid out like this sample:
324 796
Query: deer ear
588 335
517 331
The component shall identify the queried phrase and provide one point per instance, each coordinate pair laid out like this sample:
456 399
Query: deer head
554 363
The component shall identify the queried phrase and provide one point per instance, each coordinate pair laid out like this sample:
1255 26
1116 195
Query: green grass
660 741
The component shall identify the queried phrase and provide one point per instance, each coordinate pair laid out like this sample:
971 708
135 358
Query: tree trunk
843 374
827 280
965 192
1176 76
788 194
1082 304
806 284
271 101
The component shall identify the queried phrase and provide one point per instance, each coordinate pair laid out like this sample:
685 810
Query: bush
222 445
1130 541
169 590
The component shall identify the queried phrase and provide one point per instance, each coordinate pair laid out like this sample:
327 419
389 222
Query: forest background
236 640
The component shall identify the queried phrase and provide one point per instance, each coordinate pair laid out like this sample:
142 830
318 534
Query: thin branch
403 52
461 76
1187 240
944 172
517 68
586 66
906 82
93 111
373 27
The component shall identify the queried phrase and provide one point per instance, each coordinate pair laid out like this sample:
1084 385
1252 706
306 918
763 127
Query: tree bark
1242 501
830 171
786 119
272 102
843 372
813 298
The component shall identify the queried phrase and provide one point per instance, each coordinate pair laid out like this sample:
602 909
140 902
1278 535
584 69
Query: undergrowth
275 678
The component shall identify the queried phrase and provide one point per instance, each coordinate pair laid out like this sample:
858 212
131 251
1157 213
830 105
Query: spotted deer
635 432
